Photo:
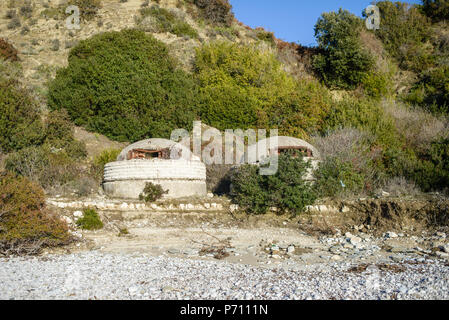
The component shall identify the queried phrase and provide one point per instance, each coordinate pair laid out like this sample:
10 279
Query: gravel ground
97 275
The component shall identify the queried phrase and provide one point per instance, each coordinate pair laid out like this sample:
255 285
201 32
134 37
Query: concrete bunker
159 161
265 148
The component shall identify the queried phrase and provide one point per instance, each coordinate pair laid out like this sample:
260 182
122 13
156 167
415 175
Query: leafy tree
125 86
243 87
437 10
344 63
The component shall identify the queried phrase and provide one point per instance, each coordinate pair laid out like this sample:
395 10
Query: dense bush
349 163
125 86
432 91
216 11
244 87
344 63
59 135
403 31
26 226
338 178
437 10
88 8
377 85
429 170
165 21
20 123
44 165
97 168
366 115
286 190
152 192
90 220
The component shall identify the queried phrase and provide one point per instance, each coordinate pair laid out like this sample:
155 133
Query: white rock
124 206
190 206
336 257
207 205
233 207
355 240
78 214
391 235
133 291
67 220
291 249
210 195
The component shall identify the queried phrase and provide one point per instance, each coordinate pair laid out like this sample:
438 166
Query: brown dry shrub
418 127
26 226
297 58
7 51
400 186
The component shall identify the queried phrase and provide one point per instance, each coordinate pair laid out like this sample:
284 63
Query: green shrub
152 192
266 36
350 164
49 167
26 226
367 115
432 91
338 178
344 63
286 190
20 125
166 21
88 8
377 85
125 86
216 11
106 156
437 10
59 134
403 31
243 87
90 220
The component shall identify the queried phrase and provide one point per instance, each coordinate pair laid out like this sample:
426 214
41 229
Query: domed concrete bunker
159 161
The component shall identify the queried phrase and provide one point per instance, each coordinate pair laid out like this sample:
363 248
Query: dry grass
399 186
418 127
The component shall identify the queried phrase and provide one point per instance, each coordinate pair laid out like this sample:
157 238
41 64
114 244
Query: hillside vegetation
375 103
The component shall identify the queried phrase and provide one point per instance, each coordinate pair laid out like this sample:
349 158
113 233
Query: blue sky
292 20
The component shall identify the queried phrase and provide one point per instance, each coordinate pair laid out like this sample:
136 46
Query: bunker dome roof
159 144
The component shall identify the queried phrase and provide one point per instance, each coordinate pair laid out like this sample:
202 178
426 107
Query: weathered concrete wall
182 178
131 189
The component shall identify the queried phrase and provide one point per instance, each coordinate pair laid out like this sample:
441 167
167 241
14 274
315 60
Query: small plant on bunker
152 192
90 220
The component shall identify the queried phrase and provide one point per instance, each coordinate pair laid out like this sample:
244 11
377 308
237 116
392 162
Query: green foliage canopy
244 87
344 63
125 86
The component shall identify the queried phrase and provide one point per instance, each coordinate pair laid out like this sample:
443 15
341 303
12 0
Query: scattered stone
390 235
336 257
78 214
